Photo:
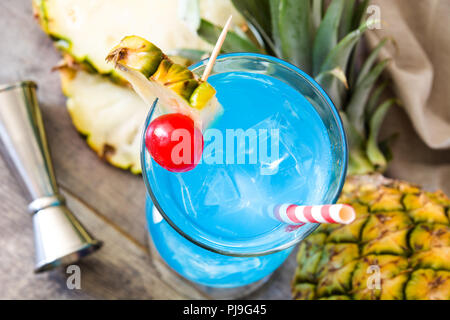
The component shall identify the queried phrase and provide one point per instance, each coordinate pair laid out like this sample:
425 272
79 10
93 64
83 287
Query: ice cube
284 176
221 190
187 201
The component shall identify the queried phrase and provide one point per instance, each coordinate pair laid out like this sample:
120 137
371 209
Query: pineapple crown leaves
236 41
322 38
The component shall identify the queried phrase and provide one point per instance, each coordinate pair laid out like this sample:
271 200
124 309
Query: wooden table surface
110 202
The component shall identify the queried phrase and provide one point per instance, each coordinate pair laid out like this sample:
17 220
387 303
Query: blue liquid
230 201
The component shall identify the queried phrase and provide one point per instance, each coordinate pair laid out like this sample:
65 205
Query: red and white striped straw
298 215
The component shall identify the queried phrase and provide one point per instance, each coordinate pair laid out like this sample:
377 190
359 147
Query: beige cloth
420 66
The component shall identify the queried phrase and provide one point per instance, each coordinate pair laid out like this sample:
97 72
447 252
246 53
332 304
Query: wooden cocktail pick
216 50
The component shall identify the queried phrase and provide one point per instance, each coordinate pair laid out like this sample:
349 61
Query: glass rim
294 241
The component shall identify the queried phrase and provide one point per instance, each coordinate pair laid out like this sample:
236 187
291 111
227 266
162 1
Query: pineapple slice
88 29
151 73
85 31
109 115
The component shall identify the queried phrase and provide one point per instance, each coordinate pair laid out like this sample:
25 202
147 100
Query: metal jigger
59 236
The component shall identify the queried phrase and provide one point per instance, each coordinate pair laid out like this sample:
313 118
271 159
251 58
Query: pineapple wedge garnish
152 73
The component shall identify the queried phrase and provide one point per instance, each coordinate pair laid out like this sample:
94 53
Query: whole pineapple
399 245
397 248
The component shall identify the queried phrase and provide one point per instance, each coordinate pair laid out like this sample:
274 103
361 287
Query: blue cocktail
279 140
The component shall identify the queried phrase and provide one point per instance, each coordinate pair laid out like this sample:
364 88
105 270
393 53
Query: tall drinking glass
279 140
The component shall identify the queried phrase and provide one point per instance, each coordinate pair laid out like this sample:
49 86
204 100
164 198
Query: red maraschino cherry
174 142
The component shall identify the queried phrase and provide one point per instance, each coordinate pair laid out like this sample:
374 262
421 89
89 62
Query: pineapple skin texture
397 248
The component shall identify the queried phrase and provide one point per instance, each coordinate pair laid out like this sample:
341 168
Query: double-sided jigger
59 237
